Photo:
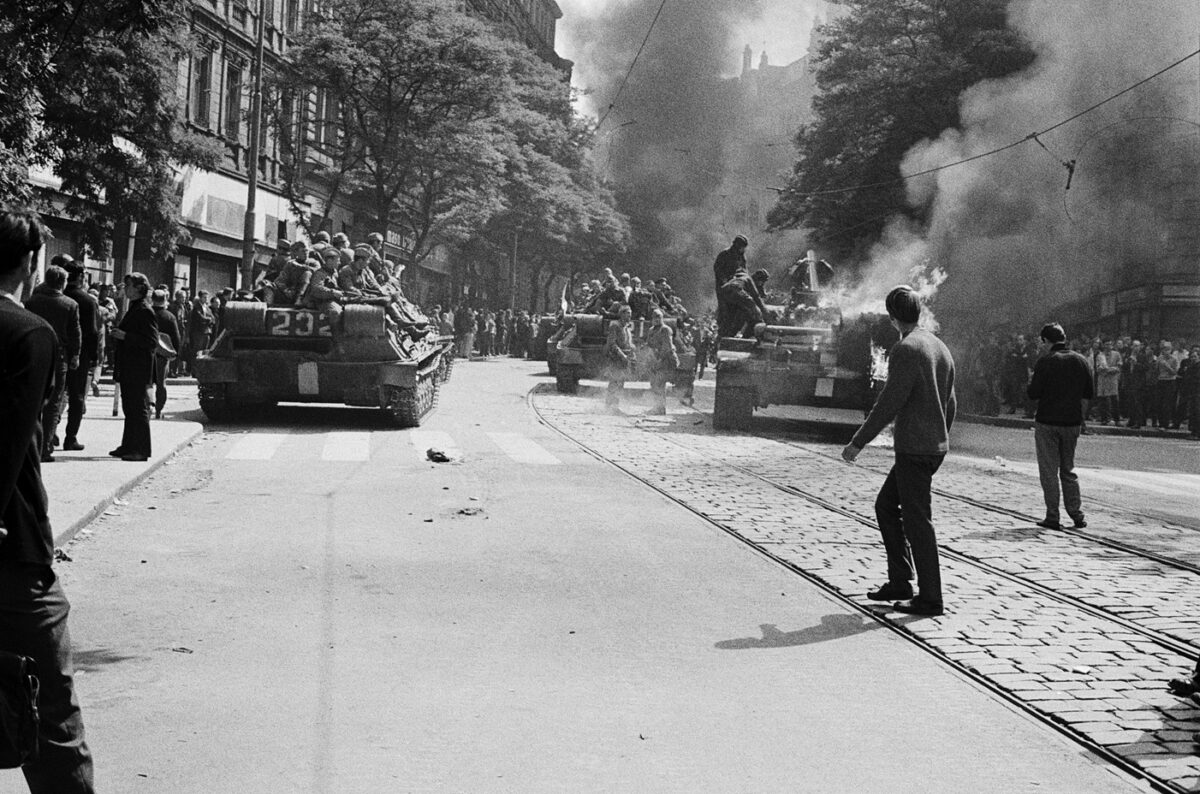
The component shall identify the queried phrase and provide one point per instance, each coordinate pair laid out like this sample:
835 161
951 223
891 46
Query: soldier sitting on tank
269 272
323 293
606 297
355 279
288 288
739 303
640 302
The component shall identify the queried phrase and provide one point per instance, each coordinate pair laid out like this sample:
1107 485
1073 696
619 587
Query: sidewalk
1095 428
82 485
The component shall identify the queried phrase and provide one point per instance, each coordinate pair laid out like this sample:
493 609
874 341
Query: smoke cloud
1014 241
675 144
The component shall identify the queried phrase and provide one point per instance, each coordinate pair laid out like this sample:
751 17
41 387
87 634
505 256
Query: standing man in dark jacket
137 340
91 325
731 260
166 325
33 607
49 303
1061 382
919 396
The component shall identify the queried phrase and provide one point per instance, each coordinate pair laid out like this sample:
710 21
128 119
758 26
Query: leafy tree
557 216
890 73
411 94
88 89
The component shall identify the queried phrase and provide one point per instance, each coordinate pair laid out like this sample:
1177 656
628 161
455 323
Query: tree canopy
890 73
443 130
88 90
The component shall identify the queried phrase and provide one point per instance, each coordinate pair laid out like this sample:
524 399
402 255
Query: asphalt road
310 605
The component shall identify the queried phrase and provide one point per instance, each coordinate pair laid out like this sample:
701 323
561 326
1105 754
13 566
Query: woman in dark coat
138 338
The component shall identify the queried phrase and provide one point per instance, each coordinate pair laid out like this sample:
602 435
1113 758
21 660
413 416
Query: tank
819 360
580 354
270 354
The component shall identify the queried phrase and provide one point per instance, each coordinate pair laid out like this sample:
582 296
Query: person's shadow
831 627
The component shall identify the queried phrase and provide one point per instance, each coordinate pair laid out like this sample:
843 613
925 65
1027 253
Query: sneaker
133 457
1047 523
892 591
71 445
1079 521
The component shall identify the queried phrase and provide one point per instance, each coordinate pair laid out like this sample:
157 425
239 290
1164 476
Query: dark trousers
160 384
79 383
52 411
33 622
135 405
1055 446
1137 407
905 514
1164 392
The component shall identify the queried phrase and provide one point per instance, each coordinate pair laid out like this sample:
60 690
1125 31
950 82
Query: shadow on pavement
831 627
90 661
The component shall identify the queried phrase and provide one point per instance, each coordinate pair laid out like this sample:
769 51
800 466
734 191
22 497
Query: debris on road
437 456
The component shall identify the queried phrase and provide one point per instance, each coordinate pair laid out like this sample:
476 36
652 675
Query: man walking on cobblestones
919 396
1061 382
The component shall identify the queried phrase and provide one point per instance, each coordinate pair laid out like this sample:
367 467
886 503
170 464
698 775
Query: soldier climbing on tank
729 261
740 305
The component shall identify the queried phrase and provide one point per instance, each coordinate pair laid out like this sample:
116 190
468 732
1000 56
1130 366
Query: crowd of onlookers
1137 383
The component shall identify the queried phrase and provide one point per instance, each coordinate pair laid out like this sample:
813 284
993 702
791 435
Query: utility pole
255 135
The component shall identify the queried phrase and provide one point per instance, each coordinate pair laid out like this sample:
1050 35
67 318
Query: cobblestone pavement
1063 624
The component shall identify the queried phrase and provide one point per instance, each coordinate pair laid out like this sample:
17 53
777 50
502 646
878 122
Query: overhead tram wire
1033 136
633 63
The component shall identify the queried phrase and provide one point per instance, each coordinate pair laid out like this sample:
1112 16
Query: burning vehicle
811 355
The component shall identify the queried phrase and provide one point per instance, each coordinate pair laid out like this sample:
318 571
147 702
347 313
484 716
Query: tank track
406 407
447 365
214 402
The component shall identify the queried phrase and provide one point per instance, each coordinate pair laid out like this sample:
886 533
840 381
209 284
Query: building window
202 89
292 20
233 101
325 126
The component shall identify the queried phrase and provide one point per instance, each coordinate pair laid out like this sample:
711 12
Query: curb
62 537
1093 428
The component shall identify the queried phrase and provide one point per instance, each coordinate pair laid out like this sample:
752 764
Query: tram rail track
1001 510
1165 641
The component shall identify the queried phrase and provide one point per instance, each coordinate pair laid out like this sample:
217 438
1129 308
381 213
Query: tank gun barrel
788 333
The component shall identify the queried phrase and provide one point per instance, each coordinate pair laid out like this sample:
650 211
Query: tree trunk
512 270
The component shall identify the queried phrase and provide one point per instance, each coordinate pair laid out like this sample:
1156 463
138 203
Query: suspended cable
1031 136
633 63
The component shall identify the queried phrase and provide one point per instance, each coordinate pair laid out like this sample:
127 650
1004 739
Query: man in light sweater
919 396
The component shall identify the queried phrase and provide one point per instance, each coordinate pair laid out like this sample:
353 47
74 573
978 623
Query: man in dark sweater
91 324
919 396
33 608
166 325
1061 382
62 313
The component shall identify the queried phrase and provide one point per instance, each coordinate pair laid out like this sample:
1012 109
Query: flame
879 363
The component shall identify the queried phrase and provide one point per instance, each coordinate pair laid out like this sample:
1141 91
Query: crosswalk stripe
347 447
424 440
256 446
523 450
